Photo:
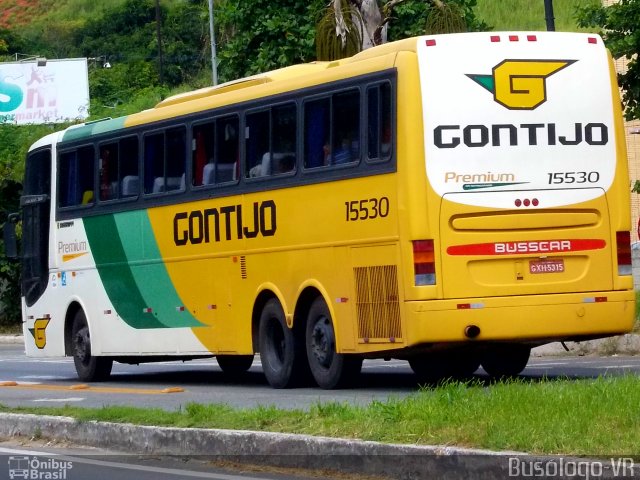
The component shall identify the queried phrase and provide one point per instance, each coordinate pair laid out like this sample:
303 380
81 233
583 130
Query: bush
9 269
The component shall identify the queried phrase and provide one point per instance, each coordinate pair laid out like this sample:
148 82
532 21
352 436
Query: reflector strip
147 310
431 42
595 300
469 306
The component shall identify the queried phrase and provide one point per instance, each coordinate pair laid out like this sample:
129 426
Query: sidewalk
282 450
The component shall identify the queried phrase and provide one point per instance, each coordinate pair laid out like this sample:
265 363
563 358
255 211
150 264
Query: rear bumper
536 318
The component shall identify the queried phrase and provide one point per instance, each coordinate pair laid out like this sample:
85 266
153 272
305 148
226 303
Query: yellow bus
449 200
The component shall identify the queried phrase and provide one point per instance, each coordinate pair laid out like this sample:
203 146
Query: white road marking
69 399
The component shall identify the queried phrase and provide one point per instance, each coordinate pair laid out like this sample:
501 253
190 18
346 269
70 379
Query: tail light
424 265
623 241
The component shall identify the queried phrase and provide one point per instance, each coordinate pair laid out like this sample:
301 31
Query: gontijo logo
520 84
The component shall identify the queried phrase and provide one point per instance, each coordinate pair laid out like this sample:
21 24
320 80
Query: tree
349 26
260 35
620 29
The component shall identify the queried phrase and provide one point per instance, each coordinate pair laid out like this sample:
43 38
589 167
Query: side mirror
9 237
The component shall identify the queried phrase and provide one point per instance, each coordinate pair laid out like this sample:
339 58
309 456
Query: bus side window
76 177
176 159
379 122
86 174
283 139
345 127
129 179
68 185
109 171
153 161
316 133
256 142
227 149
202 154
271 141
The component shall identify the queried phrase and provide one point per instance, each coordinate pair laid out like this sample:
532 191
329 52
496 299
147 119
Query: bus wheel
88 367
234 364
505 360
281 353
329 368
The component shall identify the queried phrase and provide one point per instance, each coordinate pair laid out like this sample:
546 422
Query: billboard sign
52 93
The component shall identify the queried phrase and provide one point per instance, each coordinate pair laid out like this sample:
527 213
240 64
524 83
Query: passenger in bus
285 165
345 152
107 191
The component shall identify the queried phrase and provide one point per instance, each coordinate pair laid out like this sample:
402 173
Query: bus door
36 206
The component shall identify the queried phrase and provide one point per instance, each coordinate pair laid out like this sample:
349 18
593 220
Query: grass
599 417
504 15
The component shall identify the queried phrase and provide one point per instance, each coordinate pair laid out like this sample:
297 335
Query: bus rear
528 198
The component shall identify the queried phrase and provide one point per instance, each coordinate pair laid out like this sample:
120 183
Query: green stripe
151 277
93 128
149 287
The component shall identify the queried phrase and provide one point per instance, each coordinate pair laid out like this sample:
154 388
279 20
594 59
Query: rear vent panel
377 304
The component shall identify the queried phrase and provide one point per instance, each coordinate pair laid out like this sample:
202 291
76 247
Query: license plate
546 266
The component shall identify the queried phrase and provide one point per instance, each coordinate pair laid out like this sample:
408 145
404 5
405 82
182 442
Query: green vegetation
620 27
507 15
591 417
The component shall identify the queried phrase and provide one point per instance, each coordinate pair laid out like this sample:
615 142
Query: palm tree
350 26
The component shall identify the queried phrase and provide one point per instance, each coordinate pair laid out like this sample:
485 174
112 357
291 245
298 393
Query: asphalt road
172 385
37 460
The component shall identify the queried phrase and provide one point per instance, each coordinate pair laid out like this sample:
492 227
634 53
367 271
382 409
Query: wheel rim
322 342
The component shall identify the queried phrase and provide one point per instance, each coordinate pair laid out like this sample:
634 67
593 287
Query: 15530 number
366 209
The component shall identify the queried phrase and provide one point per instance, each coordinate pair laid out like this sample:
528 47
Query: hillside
502 14
15 13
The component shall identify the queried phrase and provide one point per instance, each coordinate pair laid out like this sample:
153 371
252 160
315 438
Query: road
172 385
80 463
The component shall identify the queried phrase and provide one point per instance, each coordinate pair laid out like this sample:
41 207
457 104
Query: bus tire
88 367
329 368
281 353
505 360
234 364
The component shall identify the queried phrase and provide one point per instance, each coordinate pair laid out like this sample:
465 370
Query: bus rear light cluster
623 244
424 265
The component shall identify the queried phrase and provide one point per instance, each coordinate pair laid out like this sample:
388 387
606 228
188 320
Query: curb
628 344
406 462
